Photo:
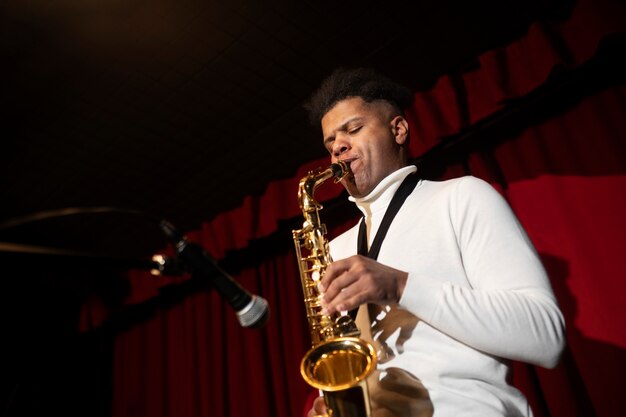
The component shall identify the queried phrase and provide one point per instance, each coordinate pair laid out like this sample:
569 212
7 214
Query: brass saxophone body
339 361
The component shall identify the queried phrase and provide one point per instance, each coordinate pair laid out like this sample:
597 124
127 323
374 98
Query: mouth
348 162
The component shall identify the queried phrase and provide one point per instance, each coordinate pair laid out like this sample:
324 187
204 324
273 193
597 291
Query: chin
355 192
354 189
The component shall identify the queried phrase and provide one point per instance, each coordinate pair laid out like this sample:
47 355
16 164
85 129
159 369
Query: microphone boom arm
252 310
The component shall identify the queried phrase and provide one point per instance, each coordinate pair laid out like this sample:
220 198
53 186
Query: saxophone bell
339 368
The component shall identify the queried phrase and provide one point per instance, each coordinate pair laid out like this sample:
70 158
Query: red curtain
564 175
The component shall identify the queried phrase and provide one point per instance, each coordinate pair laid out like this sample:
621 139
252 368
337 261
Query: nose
341 145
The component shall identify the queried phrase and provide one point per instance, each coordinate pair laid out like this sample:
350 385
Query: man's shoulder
457 181
464 184
455 191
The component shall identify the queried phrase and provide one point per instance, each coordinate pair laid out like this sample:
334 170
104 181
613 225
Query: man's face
369 137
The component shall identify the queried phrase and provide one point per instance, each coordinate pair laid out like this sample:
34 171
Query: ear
400 129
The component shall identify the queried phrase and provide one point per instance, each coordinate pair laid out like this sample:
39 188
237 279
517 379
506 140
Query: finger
338 268
333 271
319 406
339 285
348 299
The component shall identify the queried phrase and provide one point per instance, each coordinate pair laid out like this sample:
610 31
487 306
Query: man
451 289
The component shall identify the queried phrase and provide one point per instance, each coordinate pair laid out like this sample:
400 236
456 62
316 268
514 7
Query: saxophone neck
309 183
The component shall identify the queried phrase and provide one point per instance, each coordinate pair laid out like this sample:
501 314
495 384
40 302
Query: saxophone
339 361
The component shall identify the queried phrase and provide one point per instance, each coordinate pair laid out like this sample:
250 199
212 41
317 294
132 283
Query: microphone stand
158 265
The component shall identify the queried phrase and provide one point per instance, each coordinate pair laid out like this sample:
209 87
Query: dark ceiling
182 108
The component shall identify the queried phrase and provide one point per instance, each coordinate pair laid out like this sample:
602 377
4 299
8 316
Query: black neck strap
406 188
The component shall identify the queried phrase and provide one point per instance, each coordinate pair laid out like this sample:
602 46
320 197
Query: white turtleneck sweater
476 296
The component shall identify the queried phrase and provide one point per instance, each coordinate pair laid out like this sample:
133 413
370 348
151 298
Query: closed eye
354 130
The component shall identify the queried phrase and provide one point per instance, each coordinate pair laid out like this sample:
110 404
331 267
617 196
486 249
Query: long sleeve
506 306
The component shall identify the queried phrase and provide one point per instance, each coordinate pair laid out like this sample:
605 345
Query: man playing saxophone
444 277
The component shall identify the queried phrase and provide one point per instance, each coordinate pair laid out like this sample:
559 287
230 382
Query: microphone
252 310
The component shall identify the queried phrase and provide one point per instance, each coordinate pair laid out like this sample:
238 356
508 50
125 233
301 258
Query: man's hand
356 280
319 408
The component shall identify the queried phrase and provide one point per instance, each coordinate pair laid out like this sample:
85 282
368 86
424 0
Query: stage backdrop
543 119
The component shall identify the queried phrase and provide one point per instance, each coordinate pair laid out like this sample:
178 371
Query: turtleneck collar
375 203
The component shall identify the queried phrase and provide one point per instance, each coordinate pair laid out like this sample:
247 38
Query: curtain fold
564 177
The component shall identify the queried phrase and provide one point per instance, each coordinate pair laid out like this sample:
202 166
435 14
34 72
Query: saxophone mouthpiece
340 169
